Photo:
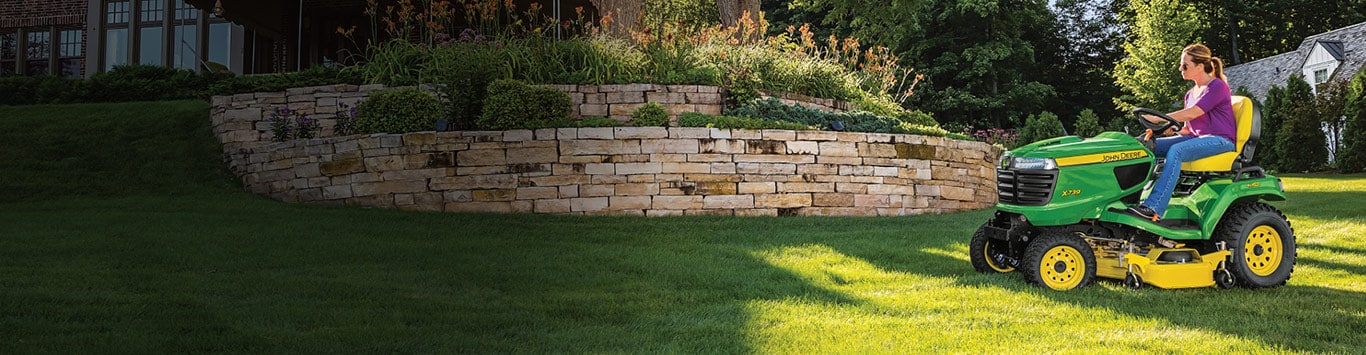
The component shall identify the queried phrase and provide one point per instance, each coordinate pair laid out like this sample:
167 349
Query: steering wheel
1156 127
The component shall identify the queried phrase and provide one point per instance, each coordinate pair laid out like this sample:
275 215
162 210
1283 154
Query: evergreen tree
1088 125
1352 157
1268 154
1300 139
1159 30
1039 127
979 59
1079 60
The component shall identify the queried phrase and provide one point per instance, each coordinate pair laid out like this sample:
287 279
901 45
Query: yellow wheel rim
1061 268
991 261
1262 250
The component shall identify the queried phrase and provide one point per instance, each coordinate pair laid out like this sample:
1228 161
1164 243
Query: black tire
1071 263
1224 279
983 251
1262 243
1133 281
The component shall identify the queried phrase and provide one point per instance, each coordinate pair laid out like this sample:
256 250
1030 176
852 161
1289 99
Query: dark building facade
78 38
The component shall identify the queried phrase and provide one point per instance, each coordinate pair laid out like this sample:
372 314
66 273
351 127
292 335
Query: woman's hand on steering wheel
1169 123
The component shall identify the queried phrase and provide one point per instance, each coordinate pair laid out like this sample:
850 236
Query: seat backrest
1249 126
1249 116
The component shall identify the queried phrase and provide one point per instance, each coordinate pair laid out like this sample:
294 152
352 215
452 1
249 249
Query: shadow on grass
1295 317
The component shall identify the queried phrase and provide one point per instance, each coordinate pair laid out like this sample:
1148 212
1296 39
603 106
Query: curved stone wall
653 171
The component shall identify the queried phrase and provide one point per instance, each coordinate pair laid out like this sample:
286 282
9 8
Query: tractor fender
1268 188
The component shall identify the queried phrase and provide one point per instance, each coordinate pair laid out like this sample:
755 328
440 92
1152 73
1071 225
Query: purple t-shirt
1217 102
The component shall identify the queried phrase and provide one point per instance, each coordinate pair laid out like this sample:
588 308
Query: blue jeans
1179 149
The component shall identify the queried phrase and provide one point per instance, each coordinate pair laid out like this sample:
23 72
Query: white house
1333 55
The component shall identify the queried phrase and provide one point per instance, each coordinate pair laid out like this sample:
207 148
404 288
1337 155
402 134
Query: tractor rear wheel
1059 262
986 253
1262 243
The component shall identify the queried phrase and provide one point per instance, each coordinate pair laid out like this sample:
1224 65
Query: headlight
1005 161
1034 163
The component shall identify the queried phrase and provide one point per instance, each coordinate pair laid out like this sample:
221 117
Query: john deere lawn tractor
1062 216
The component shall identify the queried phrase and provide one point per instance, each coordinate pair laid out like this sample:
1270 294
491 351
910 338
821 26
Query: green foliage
313 76
855 121
462 72
29 90
1352 156
398 111
694 119
693 14
917 117
145 83
979 60
1300 140
1160 29
1088 125
513 104
650 115
1039 127
596 121
1265 28
1274 112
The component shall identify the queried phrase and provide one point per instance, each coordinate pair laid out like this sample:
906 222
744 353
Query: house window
9 53
39 52
1320 76
151 40
116 39
186 41
70 57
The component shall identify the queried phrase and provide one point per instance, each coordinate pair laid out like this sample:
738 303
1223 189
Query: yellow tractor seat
1249 118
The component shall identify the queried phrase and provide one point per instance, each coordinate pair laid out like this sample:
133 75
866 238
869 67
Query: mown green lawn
121 232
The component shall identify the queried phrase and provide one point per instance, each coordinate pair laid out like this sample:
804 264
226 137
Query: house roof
1348 44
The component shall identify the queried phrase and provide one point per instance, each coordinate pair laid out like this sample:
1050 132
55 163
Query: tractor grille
1025 187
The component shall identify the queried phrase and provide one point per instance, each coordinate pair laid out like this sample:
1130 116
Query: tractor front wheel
1262 243
1059 262
988 254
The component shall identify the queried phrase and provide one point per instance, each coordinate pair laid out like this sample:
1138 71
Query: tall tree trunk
625 15
731 10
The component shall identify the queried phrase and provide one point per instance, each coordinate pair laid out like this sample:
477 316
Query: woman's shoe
1145 212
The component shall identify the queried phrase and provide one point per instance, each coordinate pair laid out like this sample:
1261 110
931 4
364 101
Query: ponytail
1217 68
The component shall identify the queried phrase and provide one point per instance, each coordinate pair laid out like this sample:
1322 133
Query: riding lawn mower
1062 216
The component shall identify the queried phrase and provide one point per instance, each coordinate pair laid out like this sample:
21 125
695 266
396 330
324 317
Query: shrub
286 124
227 84
1040 127
512 104
398 111
1300 140
29 90
145 83
597 121
463 72
650 115
917 118
1088 124
694 119
1352 157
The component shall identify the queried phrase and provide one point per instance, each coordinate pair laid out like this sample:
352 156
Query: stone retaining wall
653 171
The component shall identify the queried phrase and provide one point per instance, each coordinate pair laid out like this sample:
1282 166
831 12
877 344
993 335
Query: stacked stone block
652 171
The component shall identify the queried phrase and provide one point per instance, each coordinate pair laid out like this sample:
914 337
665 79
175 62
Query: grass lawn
121 232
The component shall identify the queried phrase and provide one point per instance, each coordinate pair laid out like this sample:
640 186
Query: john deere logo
1134 154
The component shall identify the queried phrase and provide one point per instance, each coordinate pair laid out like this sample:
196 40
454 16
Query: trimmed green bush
854 121
1352 157
29 90
694 119
1088 124
597 121
1039 127
1300 141
512 104
651 114
398 111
